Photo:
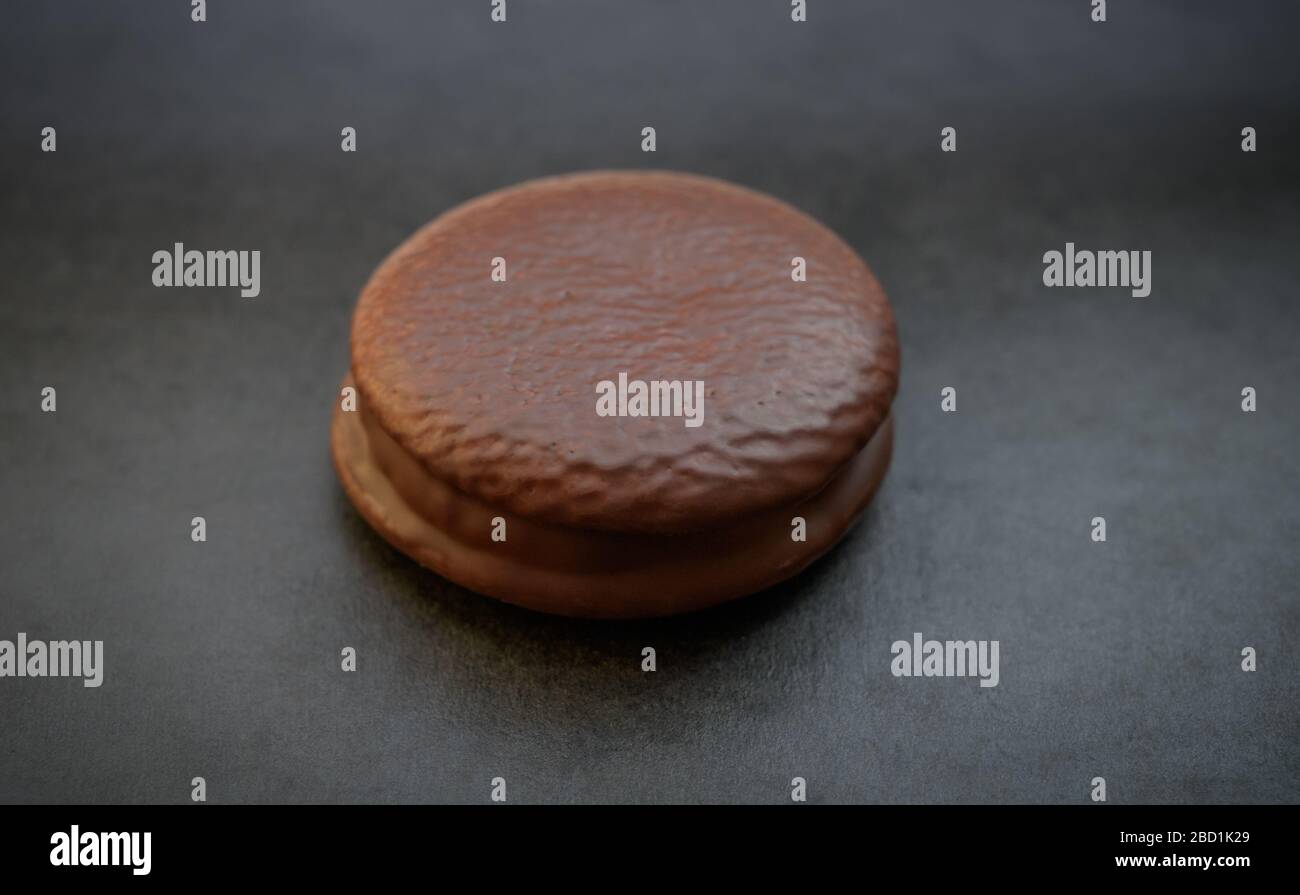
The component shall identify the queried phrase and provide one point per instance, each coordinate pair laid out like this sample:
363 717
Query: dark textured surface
1119 660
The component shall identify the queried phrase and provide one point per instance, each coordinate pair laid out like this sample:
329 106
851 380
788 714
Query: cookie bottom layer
591 574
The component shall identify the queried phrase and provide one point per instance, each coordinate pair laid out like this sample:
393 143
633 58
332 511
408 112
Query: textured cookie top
493 385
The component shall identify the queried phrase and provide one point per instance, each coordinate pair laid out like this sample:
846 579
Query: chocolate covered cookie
618 394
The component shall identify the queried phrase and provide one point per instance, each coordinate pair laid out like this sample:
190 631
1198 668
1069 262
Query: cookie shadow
521 635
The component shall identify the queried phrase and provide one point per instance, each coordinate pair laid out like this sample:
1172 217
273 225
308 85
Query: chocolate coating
666 276
579 572
478 398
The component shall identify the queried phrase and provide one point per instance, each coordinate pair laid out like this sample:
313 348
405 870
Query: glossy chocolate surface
491 385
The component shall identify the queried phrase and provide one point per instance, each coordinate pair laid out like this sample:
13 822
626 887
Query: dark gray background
1119 660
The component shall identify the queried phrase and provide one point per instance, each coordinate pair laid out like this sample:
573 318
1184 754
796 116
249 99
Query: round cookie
497 355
